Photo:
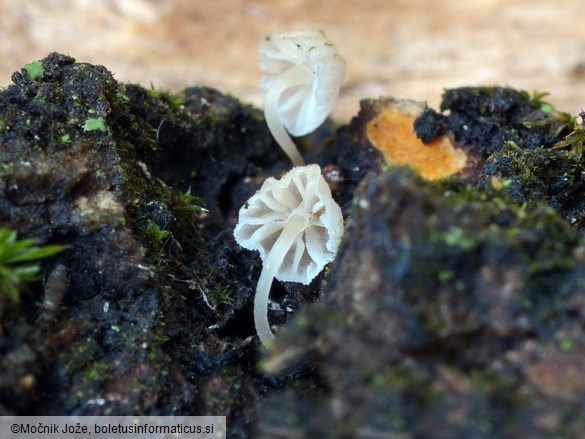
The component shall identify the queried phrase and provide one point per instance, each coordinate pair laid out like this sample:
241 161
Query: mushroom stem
293 76
293 227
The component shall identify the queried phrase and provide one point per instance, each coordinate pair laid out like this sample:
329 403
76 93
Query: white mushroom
303 75
296 226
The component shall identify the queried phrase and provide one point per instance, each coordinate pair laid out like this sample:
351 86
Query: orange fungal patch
392 133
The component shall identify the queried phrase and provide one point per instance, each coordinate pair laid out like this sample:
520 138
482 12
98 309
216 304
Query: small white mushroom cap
296 226
302 193
303 73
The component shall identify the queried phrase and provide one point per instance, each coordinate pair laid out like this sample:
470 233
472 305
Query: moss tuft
19 262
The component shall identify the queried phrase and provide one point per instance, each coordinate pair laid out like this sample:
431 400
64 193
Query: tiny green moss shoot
94 124
19 262
34 70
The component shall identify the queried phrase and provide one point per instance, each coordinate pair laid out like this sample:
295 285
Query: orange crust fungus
391 131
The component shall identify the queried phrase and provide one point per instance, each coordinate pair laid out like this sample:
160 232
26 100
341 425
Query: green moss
94 124
461 235
6 169
484 118
495 220
567 345
206 119
456 236
222 294
65 139
154 234
34 70
175 102
446 275
574 140
551 175
97 372
123 97
186 204
257 115
19 262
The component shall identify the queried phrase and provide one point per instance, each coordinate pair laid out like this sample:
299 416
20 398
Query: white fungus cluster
293 222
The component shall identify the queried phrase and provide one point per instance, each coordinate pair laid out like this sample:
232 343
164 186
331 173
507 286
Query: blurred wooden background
404 48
